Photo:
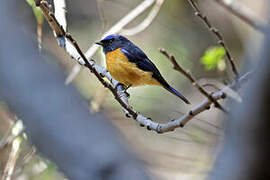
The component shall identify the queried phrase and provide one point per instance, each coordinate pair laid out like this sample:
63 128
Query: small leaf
30 2
36 10
38 14
213 57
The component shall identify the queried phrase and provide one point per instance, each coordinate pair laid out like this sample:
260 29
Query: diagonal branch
178 68
216 32
244 14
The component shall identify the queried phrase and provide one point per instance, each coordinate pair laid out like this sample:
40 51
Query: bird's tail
164 83
176 93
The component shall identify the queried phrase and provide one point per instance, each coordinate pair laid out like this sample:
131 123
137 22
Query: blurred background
186 153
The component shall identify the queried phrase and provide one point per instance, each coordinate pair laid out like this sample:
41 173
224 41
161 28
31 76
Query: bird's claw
123 88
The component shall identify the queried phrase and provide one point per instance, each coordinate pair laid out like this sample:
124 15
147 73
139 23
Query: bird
130 66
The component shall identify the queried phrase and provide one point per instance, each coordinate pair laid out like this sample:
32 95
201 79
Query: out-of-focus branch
113 30
243 13
12 133
146 22
15 139
101 14
12 159
178 68
216 32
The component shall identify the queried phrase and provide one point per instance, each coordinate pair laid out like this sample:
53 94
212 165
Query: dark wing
137 56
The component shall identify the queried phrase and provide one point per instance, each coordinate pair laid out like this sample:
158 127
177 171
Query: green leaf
31 2
38 14
40 19
213 57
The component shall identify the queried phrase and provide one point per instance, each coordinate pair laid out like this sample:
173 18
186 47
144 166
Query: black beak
99 43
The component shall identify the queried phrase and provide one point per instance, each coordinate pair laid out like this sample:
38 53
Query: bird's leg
124 89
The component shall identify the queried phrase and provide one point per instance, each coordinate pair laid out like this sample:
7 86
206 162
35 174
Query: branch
178 68
216 32
113 30
12 160
118 90
244 14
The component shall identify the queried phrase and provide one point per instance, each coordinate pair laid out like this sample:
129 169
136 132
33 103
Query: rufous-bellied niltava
129 65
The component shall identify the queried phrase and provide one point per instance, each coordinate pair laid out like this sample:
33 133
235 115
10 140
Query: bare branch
113 30
216 32
217 95
178 68
244 14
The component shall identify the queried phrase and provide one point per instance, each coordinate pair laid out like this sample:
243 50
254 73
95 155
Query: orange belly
126 72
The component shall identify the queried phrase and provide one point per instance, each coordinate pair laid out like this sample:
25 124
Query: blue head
113 42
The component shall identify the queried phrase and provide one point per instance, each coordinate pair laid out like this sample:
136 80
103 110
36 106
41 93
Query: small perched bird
129 65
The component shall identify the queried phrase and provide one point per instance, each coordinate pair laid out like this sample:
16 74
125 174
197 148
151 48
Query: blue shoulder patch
137 56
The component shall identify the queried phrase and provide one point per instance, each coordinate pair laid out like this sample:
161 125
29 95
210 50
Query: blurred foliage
40 20
37 12
213 57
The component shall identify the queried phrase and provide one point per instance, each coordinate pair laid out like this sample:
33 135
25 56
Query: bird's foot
123 88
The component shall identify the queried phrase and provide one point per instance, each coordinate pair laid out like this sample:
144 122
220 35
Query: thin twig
244 14
217 34
178 68
25 160
119 91
113 30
